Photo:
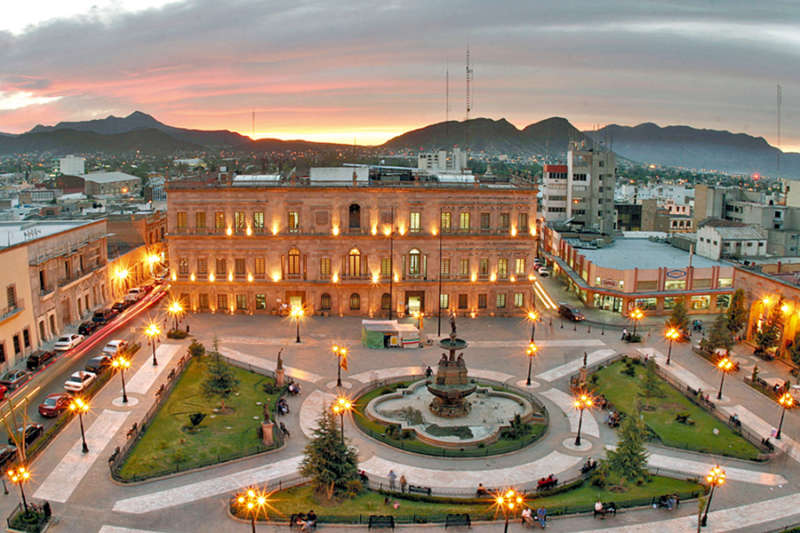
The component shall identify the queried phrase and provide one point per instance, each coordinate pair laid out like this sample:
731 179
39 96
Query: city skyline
351 74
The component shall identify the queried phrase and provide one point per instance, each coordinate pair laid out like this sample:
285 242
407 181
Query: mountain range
680 146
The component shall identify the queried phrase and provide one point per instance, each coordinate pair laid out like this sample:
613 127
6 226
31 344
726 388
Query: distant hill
684 146
64 141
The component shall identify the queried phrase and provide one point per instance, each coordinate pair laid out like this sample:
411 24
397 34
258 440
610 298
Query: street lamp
79 406
341 362
636 316
715 478
297 313
531 351
724 365
252 501
581 402
175 309
509 501
20 475
153 332
533 316
419 315
671 334
786 401
122 364
340 407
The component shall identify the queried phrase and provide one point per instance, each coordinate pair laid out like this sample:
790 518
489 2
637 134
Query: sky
364 71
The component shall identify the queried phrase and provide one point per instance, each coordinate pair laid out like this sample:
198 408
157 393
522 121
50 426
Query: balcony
10 311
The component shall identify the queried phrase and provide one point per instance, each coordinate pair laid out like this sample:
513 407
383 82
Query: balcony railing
11 310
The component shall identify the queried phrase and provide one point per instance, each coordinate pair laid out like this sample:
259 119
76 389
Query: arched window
355 302
413 262
386 301
354 262
325 302
355 216
293 267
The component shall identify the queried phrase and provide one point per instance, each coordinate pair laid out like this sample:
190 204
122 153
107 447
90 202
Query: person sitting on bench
481 491
599 509
527 516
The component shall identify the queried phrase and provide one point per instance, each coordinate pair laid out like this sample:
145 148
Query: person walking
392 477
403 483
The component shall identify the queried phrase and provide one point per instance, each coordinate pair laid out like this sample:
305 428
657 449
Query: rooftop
108 177
746 233
13 233
644 254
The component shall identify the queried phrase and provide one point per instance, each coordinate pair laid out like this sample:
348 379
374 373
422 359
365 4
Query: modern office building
368 245
443 161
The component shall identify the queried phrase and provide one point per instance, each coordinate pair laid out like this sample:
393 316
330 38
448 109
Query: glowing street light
252 501
175 309
786 401
533 316
724 365
19 476
509 501
636 316
297 313
581 402
152 333
419 315
122 364
340 407
671 334
79 406
715 478
341 355
531 351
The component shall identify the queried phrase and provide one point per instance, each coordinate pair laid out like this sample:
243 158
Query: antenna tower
780 97
447 103
253 125
469 101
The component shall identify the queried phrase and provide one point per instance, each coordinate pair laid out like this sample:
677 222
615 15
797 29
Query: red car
3 391
54 404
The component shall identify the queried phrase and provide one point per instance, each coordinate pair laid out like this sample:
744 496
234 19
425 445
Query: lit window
519 299
294 221
413 262
413 221
463 222
293 268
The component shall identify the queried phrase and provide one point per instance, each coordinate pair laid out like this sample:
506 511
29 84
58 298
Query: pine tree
220 381
737 312
331 465
629 460
770 329
650 383
679 319
794 349
720 336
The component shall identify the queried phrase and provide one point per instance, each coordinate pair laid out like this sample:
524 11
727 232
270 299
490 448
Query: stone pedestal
266 433
279 377
582 376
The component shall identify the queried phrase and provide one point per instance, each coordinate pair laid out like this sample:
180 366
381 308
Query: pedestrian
392 478
624 333
541 516
284 430
403 483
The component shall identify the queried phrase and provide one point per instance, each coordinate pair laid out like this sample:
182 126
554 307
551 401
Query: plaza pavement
197 501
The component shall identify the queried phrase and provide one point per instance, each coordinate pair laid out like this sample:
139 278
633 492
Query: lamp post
533 316
19 476
122 277
509 501
636 316
153 332
419 315
252 501
786 401
79 406
671 334
175 309
297 313
340 407
531 351
439 305
724 365
341 361
122 364
581 402
715 478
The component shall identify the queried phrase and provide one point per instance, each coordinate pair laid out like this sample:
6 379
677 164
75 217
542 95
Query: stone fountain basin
491 412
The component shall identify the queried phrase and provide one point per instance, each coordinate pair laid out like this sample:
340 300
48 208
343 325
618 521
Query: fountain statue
451 385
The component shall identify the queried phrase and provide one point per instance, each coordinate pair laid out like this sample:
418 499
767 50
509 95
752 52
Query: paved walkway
268 364
564 402
573 367
311 409
147 375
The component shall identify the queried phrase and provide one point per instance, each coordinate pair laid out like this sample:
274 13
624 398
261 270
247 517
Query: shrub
196 418
270 387
196 349
177 334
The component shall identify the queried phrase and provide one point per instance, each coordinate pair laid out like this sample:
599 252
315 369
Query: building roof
625 254
13 233
744 233
108 177
715 222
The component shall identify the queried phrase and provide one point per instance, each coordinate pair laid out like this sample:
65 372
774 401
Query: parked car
13 379
31 432
543 273
102 316
39 358
570 313
88 327
99 364
68 342
79 380
3 391
134 295
148 287
8 454
54 404
115 346
120 306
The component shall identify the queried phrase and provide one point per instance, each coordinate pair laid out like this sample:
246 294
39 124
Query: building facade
17 324
352 249
113 183
72 165
443 161
718 239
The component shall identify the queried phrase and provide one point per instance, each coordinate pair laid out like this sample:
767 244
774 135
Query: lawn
377 430
624 392
301 499
167 446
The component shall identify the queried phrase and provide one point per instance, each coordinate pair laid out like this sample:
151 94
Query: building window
11 296
670 302
239 267
675 285
413 262
355 302
463 267
202 301
462 301
386 267
239 221
2 352
294 221
258 221
444 301
502 268
325 267
501 300
386 301
485 221
646 304
723 301
519 299
17 347
482 301
261 266
483 267
222 302
700 302
522 221
463 221
325 302
293 267
261 302
183 266
725 283
444 268
181 218
413 222
354 217
219 221
446 221
505 221
26 337
202 266
519 265
241 302
222 267
200 220
354 262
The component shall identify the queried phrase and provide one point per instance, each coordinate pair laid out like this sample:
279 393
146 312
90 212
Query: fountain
451 386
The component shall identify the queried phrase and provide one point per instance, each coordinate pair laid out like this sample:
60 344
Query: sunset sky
365 71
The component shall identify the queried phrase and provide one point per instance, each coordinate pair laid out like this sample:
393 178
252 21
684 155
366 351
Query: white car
79 380
68 342
543 272
134 295
114 346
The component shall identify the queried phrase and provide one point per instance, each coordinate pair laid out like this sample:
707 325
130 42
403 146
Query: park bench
293 521
460 519
419 490
380 521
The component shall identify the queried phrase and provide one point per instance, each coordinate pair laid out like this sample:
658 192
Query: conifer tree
737 312
629 460
331 465
679 319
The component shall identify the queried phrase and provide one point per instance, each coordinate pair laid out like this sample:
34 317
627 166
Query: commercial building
72 165
113 183
367 245
582 191
443 161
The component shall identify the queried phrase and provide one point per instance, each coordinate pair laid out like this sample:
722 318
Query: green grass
166 447
301 499
624 393
377 430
